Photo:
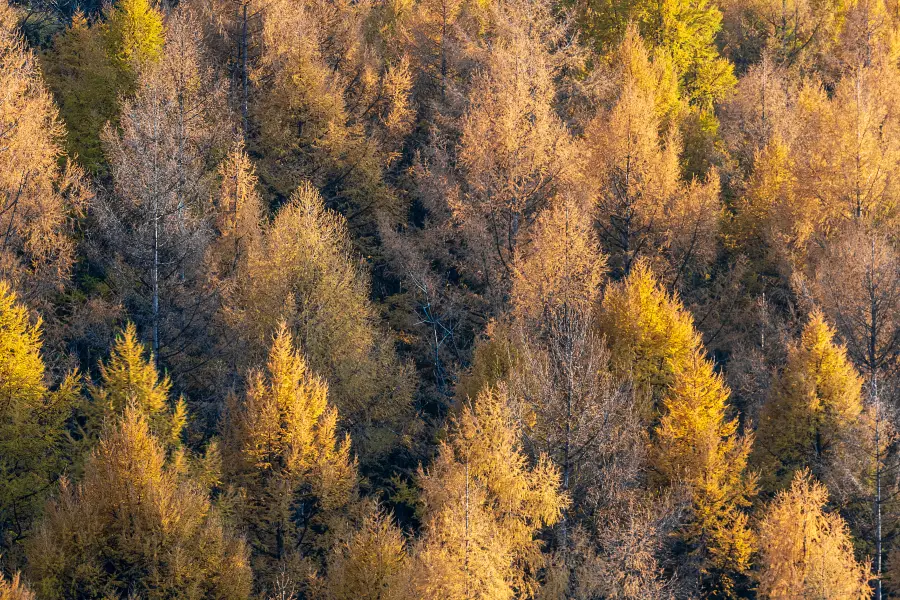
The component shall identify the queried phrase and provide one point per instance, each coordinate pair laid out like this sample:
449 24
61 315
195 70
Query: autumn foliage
451 299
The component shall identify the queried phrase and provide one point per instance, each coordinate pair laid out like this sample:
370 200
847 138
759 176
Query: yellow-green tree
130 378
650 334
697 444
90 67
304 272
33 440
481 484
806 552
135 525
683 30
292 472
134 34
815 415
86 84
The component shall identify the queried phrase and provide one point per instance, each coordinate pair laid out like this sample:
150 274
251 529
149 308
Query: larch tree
304 272
86 84
842 154
134 34
582 417
136 525
154 228
561 267
92 65
573 408
815 415
130 379
239 213
34 445
39 195
292 472
697 444
514 156
684 30
650 335
760 109
481 483
633 168
864 263
370 563
806 552
14 589
324 109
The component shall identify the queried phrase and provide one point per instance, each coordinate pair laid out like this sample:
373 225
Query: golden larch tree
304 272
38 197
815 416
370 563
135 524
130 379
33 438
291 470
806 552
480 484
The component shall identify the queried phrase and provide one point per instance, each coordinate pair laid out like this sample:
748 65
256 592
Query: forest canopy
451 299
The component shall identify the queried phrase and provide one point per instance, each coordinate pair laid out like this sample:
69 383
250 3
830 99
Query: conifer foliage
292 472
135 524
451 299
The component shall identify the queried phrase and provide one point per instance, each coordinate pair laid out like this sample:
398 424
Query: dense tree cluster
452 299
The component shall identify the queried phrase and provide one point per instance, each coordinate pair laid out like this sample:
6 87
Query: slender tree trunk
154 275
878 535
244 76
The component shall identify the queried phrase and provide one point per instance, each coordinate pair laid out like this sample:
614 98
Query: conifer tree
34 446
134 34
327 108
14 589
683 30
135 525
371 564
91 66
481 484
239 213
633 167
806 552
39 195
815 416
697 444
650 334
293 474
304 272
561 268
514 154
130 378
86 84
155 227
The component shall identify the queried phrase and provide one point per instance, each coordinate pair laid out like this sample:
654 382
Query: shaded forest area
449 299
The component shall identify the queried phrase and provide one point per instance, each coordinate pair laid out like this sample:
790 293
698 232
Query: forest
449 299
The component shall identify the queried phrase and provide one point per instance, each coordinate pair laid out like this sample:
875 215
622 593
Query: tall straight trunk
244 77
154 275
878 534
